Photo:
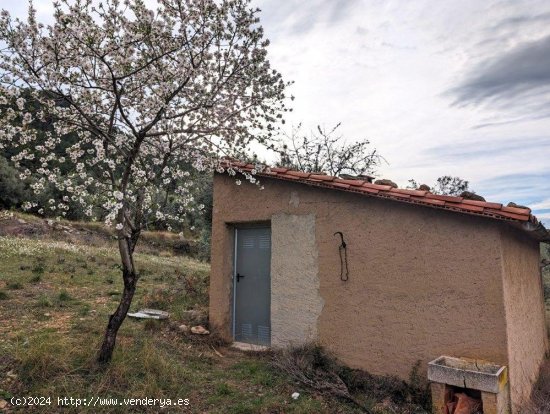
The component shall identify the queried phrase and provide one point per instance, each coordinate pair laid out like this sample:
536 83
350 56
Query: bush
314 367
64 296
44 302
540 397
14 285
12 189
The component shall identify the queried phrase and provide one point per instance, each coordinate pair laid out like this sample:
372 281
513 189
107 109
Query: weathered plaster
423 282
525 314
295 299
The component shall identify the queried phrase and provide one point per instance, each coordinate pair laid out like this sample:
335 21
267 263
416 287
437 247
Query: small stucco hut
420 276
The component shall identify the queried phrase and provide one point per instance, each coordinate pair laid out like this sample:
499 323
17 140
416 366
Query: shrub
64 296
12 189
36 278
44 302
84 310
314 367
152 325
38 268
419 388
14 285
3 295
540 397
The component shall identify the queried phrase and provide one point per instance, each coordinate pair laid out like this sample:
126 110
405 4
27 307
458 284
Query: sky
455 87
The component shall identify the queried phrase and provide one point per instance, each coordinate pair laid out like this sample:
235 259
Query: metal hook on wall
342 250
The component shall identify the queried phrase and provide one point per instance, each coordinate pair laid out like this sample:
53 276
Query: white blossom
135 103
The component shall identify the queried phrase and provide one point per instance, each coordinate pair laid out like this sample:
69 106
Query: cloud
297 18
490 149
340 9
514 21
522 73
542 205
527 189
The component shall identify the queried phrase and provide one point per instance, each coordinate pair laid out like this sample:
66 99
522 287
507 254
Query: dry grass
93 234
55 300
540 398
317 369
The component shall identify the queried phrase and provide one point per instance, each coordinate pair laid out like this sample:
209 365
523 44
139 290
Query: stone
440 395
512 204
193 315
21 221
200 330
466 405
150 314
386 182
3 404
471 373
295 395
468 195
496 403
183 328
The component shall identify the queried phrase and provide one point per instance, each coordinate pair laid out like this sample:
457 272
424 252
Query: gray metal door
252 286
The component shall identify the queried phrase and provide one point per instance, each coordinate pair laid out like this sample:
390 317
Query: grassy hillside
55 298
58 284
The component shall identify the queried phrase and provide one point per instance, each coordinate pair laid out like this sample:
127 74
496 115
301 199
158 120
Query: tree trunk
115 320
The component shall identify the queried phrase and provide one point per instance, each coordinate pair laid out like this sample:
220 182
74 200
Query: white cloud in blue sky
457 87
453 87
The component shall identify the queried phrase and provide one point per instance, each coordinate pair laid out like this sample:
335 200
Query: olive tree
445 185
146 92
325 150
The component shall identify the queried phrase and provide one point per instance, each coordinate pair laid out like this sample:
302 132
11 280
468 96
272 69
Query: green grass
51 329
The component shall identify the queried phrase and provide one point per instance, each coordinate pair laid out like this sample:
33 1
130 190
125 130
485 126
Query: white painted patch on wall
296 302
294 199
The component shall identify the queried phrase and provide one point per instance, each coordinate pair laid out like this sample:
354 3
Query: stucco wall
423 282
296 301
525 315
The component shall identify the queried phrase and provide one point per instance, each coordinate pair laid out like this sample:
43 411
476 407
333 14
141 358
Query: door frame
236 227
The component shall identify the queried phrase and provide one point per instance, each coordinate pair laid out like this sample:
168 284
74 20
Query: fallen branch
216 352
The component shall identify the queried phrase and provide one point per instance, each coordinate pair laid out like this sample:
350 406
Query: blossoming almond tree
147 92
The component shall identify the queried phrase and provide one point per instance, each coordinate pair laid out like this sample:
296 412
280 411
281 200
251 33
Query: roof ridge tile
454 203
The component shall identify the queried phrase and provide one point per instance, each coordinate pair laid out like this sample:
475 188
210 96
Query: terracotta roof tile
452 199
394 193
516 210
355 183
322 177
287 177
278 170
378 186
426 200
520 217
340 185
452 203
486 204
365 189
464 206
408 191
298 174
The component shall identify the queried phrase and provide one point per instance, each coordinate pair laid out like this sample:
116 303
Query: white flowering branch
142 93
